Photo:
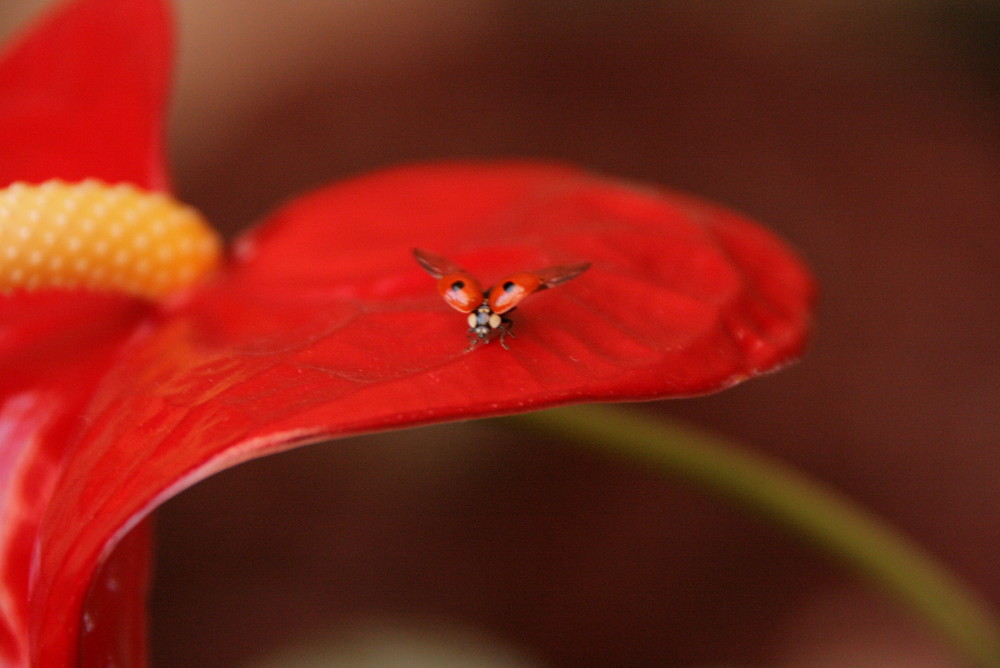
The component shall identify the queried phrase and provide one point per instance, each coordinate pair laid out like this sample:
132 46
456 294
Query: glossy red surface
84 93
82 97
315 330
322 325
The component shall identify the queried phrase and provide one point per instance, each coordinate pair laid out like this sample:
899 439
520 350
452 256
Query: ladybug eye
461 292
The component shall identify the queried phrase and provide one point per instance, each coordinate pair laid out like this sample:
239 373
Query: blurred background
866 133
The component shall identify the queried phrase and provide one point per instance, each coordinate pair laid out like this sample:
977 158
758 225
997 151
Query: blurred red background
865 133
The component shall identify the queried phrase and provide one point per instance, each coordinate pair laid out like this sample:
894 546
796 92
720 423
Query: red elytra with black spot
312 330
463 293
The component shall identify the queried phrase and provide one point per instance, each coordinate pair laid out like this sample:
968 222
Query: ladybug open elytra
486 309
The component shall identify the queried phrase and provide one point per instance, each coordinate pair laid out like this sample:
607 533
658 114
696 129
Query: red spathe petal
114 623
82 96
324 325
54 348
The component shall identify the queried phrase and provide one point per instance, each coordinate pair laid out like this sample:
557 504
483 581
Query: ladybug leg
508 326
473 341
505 330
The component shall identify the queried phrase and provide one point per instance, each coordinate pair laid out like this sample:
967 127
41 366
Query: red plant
318 324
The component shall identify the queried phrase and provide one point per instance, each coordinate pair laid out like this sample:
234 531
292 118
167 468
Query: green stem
831 522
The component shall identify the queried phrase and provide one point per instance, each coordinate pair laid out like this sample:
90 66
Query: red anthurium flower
320 323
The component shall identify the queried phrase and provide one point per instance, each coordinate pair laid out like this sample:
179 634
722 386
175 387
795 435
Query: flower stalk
829 521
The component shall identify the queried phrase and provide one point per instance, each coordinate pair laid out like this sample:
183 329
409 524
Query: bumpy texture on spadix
101 237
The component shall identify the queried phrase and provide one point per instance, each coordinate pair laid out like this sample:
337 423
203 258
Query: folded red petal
82 96
54 348
324 325
114 621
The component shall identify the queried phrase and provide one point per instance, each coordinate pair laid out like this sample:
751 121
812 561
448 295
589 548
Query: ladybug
487 309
